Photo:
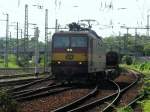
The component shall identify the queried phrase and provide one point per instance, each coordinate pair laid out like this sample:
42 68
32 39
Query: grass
146 105
7 103
145 69
11 62
127 109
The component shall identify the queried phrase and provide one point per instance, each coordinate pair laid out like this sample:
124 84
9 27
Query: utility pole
21 42
125 41
10 43
17 44
56 25
46 41
148 26
135 43
127 28
6 43
119 42
26 34
36 35
21 33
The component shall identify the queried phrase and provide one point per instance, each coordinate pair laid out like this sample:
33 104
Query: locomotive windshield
61 42
65 41
78 42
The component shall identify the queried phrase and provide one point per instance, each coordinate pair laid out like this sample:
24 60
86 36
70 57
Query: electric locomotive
78 54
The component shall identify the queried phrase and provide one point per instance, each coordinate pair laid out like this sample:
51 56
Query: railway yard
75 56
44 94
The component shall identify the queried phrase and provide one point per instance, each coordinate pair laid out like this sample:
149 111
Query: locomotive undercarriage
83 76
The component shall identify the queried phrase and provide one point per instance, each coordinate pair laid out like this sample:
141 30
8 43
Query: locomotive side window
78 42
61 42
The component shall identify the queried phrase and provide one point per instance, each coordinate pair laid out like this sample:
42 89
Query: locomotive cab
69 54
77 54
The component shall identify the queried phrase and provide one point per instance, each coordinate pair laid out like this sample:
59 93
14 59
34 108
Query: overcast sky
106 12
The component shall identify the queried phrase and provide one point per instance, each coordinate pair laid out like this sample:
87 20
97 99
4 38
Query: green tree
147 49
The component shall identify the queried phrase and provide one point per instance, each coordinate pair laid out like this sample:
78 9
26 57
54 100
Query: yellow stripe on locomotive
69 57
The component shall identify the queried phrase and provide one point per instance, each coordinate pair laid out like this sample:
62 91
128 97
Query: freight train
80 54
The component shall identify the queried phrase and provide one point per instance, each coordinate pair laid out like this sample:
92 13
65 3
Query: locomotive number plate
69 56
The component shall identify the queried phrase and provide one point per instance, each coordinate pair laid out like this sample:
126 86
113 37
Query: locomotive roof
90 32
72 32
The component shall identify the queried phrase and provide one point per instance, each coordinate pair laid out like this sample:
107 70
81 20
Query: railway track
16 82
30 84
25 70
32 91
52 101
40 92
16 75
136 97
38 88
13 82
105 104
32 88
122 91
134 101
77 102
51 89
82 103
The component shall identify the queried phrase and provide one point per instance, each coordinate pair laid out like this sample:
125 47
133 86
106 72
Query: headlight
71 50
80 63
59 62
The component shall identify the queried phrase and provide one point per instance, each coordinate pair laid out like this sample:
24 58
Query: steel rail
16 75
95 102
76 102
17 82
91 104
34 91
46 93
31 89
117 96
134 101
123 90
48 90
30 84
24 80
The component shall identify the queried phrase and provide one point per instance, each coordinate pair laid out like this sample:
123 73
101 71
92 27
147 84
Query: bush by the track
7 104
